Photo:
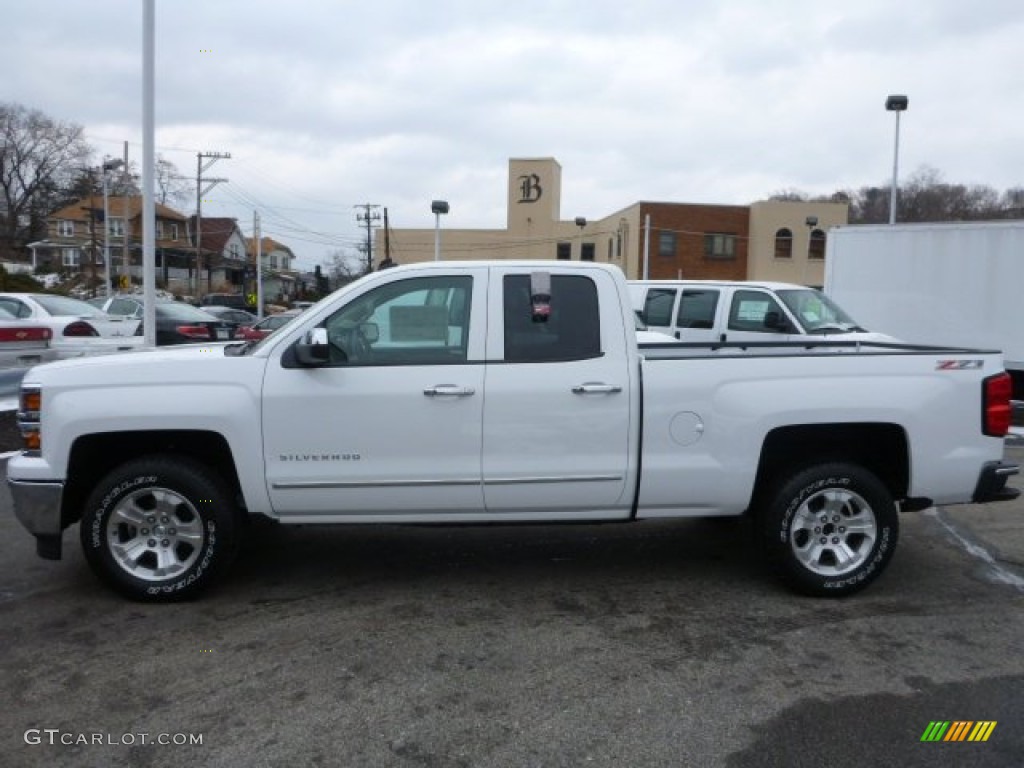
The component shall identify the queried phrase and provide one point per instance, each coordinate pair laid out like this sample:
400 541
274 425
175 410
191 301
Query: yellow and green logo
958 730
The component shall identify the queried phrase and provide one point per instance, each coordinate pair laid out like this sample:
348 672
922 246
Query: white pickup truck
498 392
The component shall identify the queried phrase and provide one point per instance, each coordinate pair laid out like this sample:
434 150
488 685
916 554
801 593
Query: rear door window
658 305
571 331
697 309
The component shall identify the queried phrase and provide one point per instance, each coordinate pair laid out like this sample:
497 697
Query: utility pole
257 237
211 158
368 217
126 257
387 238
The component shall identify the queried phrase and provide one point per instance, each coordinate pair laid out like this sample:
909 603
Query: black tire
830 530
159 529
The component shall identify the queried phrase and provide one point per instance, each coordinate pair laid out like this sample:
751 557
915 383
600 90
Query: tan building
787 240
771 240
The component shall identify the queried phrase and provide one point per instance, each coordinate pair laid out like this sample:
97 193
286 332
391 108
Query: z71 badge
959 365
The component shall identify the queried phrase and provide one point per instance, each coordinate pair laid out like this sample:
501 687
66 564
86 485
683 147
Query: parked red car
267 325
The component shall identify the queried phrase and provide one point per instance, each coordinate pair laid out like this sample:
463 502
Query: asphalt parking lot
653 644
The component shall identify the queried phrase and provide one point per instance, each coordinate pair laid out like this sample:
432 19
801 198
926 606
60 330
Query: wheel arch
93 456
880 448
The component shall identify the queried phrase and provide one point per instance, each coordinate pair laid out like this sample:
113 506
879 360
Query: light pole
811 222
581 222
895 103
437 207
109 165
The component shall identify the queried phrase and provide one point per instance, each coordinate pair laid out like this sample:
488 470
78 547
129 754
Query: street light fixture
437 207
581 222
108 165
895 103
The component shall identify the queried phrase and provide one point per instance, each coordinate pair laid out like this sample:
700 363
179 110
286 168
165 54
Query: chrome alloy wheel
154 534
833 532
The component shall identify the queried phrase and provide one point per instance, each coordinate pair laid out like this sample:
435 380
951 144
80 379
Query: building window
65 228
667 245
587 252
609 249
233 250
159 230
816 250
116 226
174 232
273 262
719 246
563 251
70 257
784 244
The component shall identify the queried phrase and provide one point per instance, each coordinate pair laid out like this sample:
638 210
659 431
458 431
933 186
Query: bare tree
37 156
172 187
343 267
925 196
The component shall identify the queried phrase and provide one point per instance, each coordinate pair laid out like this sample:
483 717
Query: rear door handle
448 390
596 388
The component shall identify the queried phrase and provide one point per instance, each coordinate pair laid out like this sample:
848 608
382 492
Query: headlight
30 408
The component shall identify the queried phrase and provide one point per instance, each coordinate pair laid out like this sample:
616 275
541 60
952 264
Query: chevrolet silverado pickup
499 392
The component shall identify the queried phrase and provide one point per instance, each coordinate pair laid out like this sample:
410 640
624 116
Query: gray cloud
328 104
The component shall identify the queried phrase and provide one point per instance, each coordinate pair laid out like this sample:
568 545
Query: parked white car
24 343
740 311
79 329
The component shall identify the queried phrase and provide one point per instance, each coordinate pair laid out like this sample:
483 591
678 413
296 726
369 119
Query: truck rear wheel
831 529
159 529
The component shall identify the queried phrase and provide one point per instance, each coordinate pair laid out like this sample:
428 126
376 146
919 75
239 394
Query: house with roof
280 280
78 242
224 253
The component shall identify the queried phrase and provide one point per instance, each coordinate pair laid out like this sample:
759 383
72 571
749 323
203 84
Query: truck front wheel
831 529
159 529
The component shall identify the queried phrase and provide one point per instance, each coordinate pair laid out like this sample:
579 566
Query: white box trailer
959 284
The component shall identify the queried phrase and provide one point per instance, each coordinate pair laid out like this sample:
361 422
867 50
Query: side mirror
312 350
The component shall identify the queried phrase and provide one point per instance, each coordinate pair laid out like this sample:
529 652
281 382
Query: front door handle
595 388
448 390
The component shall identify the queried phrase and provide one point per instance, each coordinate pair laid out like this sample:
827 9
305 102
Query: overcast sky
327 104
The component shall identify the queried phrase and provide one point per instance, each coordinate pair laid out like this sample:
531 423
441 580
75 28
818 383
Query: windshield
60 306
183 313
817 312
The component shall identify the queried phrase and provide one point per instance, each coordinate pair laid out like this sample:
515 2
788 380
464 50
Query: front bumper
37 505
992 482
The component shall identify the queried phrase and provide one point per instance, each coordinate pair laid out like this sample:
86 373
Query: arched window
817 246
784 244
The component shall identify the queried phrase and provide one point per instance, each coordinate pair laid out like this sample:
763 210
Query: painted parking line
997 571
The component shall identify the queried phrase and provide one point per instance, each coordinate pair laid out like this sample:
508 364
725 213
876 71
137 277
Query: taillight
995 405
194 331
30 406
25 334
80 328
